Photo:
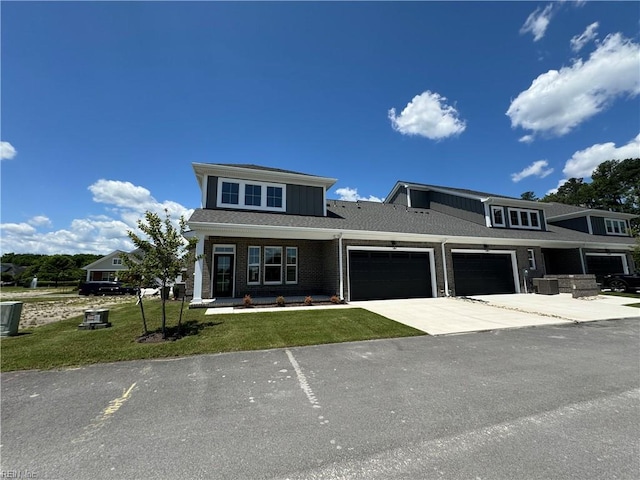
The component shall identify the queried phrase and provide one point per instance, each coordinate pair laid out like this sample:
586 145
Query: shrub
335 299
308 300
280 301
247 301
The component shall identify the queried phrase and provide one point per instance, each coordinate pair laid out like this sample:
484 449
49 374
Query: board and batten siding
578 224
461 207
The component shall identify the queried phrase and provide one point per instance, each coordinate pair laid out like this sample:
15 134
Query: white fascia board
595 213
514 202
203 170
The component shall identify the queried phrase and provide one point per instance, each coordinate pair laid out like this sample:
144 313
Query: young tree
161 256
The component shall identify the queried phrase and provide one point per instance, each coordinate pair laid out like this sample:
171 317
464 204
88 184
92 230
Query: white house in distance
107 268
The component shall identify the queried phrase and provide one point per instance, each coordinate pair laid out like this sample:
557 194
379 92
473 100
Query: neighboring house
107 268
268 232
11 270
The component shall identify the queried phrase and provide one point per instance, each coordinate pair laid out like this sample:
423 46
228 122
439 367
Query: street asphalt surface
549 402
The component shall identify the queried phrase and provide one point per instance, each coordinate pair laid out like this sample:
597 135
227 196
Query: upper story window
522 218
251 195
615 227
497 216
116 261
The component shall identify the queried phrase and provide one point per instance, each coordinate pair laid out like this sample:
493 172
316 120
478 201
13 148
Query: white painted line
302 380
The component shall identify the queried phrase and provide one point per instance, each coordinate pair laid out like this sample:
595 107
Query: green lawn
61 344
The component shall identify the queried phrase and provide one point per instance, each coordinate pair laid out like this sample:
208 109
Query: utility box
95 318
546 286
178 291
10 313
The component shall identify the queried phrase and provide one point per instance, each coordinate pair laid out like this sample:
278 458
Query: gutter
444 268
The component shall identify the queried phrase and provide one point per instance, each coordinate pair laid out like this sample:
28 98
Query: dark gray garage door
482 273
601 265
378 275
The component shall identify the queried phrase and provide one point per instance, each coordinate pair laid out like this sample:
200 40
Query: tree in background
161 256
49 268
615 186
531 196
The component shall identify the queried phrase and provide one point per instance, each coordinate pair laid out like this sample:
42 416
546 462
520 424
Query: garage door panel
601 265
376 275
483 273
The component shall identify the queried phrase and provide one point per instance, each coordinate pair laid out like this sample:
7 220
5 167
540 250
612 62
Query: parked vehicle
105 288
621 282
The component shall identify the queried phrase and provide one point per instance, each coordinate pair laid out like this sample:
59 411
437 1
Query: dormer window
615 227
250 195
497 216
522 218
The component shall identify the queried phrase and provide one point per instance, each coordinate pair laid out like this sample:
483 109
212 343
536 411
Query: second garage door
381 275
601 265
482 273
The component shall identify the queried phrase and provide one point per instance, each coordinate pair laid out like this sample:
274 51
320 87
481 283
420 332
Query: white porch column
198 269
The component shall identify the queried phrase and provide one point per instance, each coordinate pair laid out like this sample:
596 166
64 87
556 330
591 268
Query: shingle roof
460 190
383 217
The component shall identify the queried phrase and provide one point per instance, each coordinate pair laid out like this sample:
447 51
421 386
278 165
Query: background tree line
614 186
49 269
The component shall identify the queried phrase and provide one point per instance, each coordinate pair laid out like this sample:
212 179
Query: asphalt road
553 402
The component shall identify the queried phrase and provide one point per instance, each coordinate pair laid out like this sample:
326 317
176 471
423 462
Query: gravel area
72 305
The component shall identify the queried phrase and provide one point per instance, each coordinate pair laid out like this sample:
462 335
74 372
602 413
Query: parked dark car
622 282
105 288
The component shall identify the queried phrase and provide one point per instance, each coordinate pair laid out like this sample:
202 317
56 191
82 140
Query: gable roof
560 211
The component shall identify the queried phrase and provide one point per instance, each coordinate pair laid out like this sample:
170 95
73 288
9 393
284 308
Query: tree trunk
144 320
164 311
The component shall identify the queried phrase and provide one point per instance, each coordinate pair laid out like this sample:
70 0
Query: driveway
449 315
554 402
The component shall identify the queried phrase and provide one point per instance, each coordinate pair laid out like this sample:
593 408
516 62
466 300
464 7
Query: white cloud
7 152
558 101
429 116
526 139
351 195
583 162
585 37
537 22
536 169
39 221
125 205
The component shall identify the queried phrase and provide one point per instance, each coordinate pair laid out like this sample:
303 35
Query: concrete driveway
440 316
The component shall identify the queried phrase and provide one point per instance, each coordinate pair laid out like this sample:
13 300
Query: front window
117 261
252 195
532 259
292 265
615 227
498 216
230 193
253 269
272 265
274 197
521 218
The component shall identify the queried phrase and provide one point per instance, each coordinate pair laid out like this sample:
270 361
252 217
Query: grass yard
61 344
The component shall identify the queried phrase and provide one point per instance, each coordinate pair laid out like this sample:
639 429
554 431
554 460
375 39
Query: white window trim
621 224
529 214
287 265
249 265
264 270
493 222
116 261
531 256
241 195
223 248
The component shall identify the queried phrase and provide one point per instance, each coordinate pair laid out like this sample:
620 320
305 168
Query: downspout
444 267
340 267
584 269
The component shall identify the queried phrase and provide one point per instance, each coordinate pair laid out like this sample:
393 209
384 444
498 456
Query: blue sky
106 105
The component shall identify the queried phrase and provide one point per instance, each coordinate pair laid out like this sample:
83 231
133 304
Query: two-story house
267 232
